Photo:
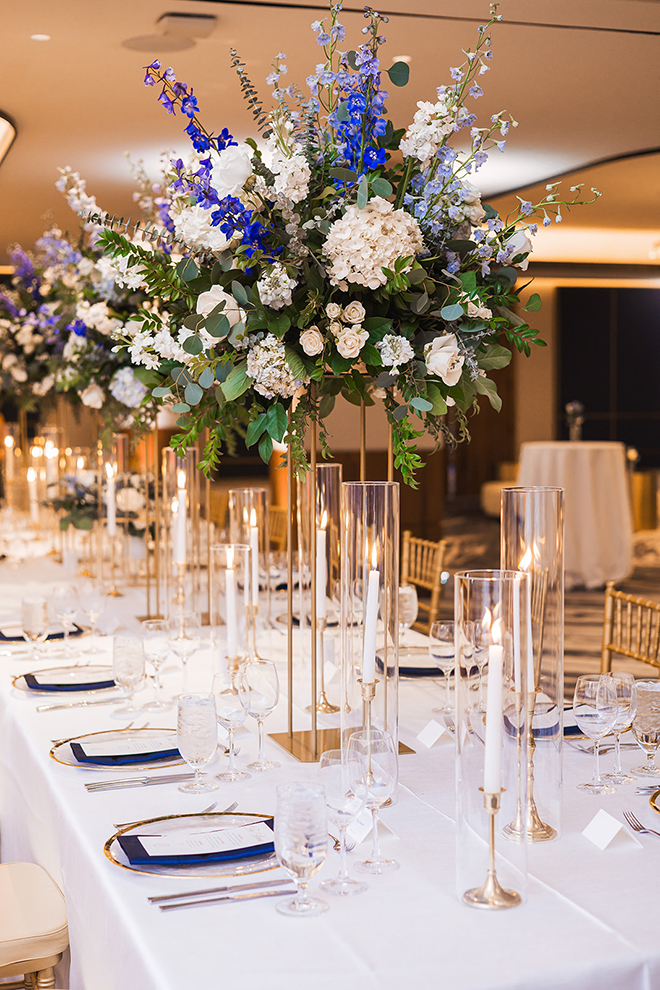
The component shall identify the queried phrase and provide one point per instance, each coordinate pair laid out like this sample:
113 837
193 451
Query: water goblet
259 690
128 670
34 622
646 726
185 638
231 714
595 710
408 609
66 605
626 706
197 737
442 652
93 602
155 636
376 772
301 843
344 801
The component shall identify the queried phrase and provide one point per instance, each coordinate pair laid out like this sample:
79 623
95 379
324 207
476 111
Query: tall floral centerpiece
332 254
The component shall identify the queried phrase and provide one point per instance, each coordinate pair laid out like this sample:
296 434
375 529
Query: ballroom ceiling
581 77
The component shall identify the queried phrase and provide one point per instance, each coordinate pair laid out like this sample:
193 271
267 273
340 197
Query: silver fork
206 811
637 826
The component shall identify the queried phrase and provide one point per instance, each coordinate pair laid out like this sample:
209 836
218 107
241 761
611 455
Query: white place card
207 841
431 733
361 827
603 830
129 747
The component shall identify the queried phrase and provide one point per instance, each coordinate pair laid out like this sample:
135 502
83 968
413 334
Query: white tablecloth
598 532
589 921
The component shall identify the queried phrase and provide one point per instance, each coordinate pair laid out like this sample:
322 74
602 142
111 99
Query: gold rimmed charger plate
61 752
168 823
654 801
80 673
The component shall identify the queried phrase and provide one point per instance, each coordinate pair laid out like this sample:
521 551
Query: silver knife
80 704
216 890
226 897
108 785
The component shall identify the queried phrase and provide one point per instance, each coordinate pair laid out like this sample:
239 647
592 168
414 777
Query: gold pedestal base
324 706
113 593
491 895
144 618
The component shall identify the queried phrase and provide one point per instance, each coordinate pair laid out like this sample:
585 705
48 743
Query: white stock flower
311 341
472 207
231 170
351 341
207 302
395 350
292 177
354 312
275 288
267 365
444 359
431 123
93 396
193 226
363 242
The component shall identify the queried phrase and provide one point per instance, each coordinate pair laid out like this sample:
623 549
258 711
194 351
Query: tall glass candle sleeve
248 523
532 541
231 579
492 631
181 481
369 607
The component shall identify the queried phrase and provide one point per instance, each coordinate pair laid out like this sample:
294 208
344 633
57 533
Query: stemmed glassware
231 714
478 637
344 801
442 652
92 601
408 609
185 638
259 691
374 769
155 635
128 669
66 604
34 622
301 843
595 709
197 736
646 726
626 706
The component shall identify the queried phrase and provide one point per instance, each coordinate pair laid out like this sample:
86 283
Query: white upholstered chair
33 925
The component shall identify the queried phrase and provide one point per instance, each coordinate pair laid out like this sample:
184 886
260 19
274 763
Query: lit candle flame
374 557
9 442
230 558
181 479
526 560
31 474
487 620
324 519
496 632
37 452
253 517
109 470
80 463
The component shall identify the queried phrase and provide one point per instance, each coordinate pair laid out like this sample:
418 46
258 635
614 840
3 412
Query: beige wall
535 377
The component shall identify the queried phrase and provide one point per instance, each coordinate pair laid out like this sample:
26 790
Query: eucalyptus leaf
194 322
193 393
342 112
161 391
351 58
453 312
381 187
188 271
423 405
206 378
180 407
239 293
193 345
400 413
399 73
343 174
217 325
416 276
363 193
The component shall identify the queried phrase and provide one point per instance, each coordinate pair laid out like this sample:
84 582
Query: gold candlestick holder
322 704
491 895
180 591
368 691
532 827
113 592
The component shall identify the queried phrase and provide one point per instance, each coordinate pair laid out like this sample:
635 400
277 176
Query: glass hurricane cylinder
181 518
532 540
248 523
369 607
492 618
230 578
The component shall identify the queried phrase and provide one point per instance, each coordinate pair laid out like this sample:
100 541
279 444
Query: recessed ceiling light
39 37
402 58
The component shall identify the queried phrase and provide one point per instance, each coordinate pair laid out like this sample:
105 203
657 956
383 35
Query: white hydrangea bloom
193 226
93 396
127 388
44 386
97 316
267 365
363 242
395 351
275 288
431 123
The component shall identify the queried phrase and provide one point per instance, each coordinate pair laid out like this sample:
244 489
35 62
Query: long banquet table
590 920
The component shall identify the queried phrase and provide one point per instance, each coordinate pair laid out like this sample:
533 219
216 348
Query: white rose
333 311
478 312
351 342
444 359
354 312
232 169
207 302
93 396
311 341
19 374
336 328
519 243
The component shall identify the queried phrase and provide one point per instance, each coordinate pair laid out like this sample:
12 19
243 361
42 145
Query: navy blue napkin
36 685
77 631
120 761
138 856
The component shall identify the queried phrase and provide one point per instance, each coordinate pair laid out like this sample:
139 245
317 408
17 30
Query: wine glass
155 635
66 605
479 640
376 771
626 702
344 802
92 601
408 608
231 714
128 669
34 622
185 638
197 736
442 652
595 709
646 726
301 843
259 691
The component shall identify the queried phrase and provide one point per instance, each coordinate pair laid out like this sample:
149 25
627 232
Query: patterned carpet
473 542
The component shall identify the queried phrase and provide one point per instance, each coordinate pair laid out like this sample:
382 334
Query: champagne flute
197 736
128 670
231 714
646 726
301 843
65 605
344 800
34 622
259 691
595 709
185 638
626 702
375 770
408 609
93 603
442 651
155 635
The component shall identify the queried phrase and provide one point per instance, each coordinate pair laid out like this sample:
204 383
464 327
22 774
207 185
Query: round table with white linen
598 535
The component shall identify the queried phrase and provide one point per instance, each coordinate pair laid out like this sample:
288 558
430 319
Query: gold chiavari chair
631 628
277 527
421 565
